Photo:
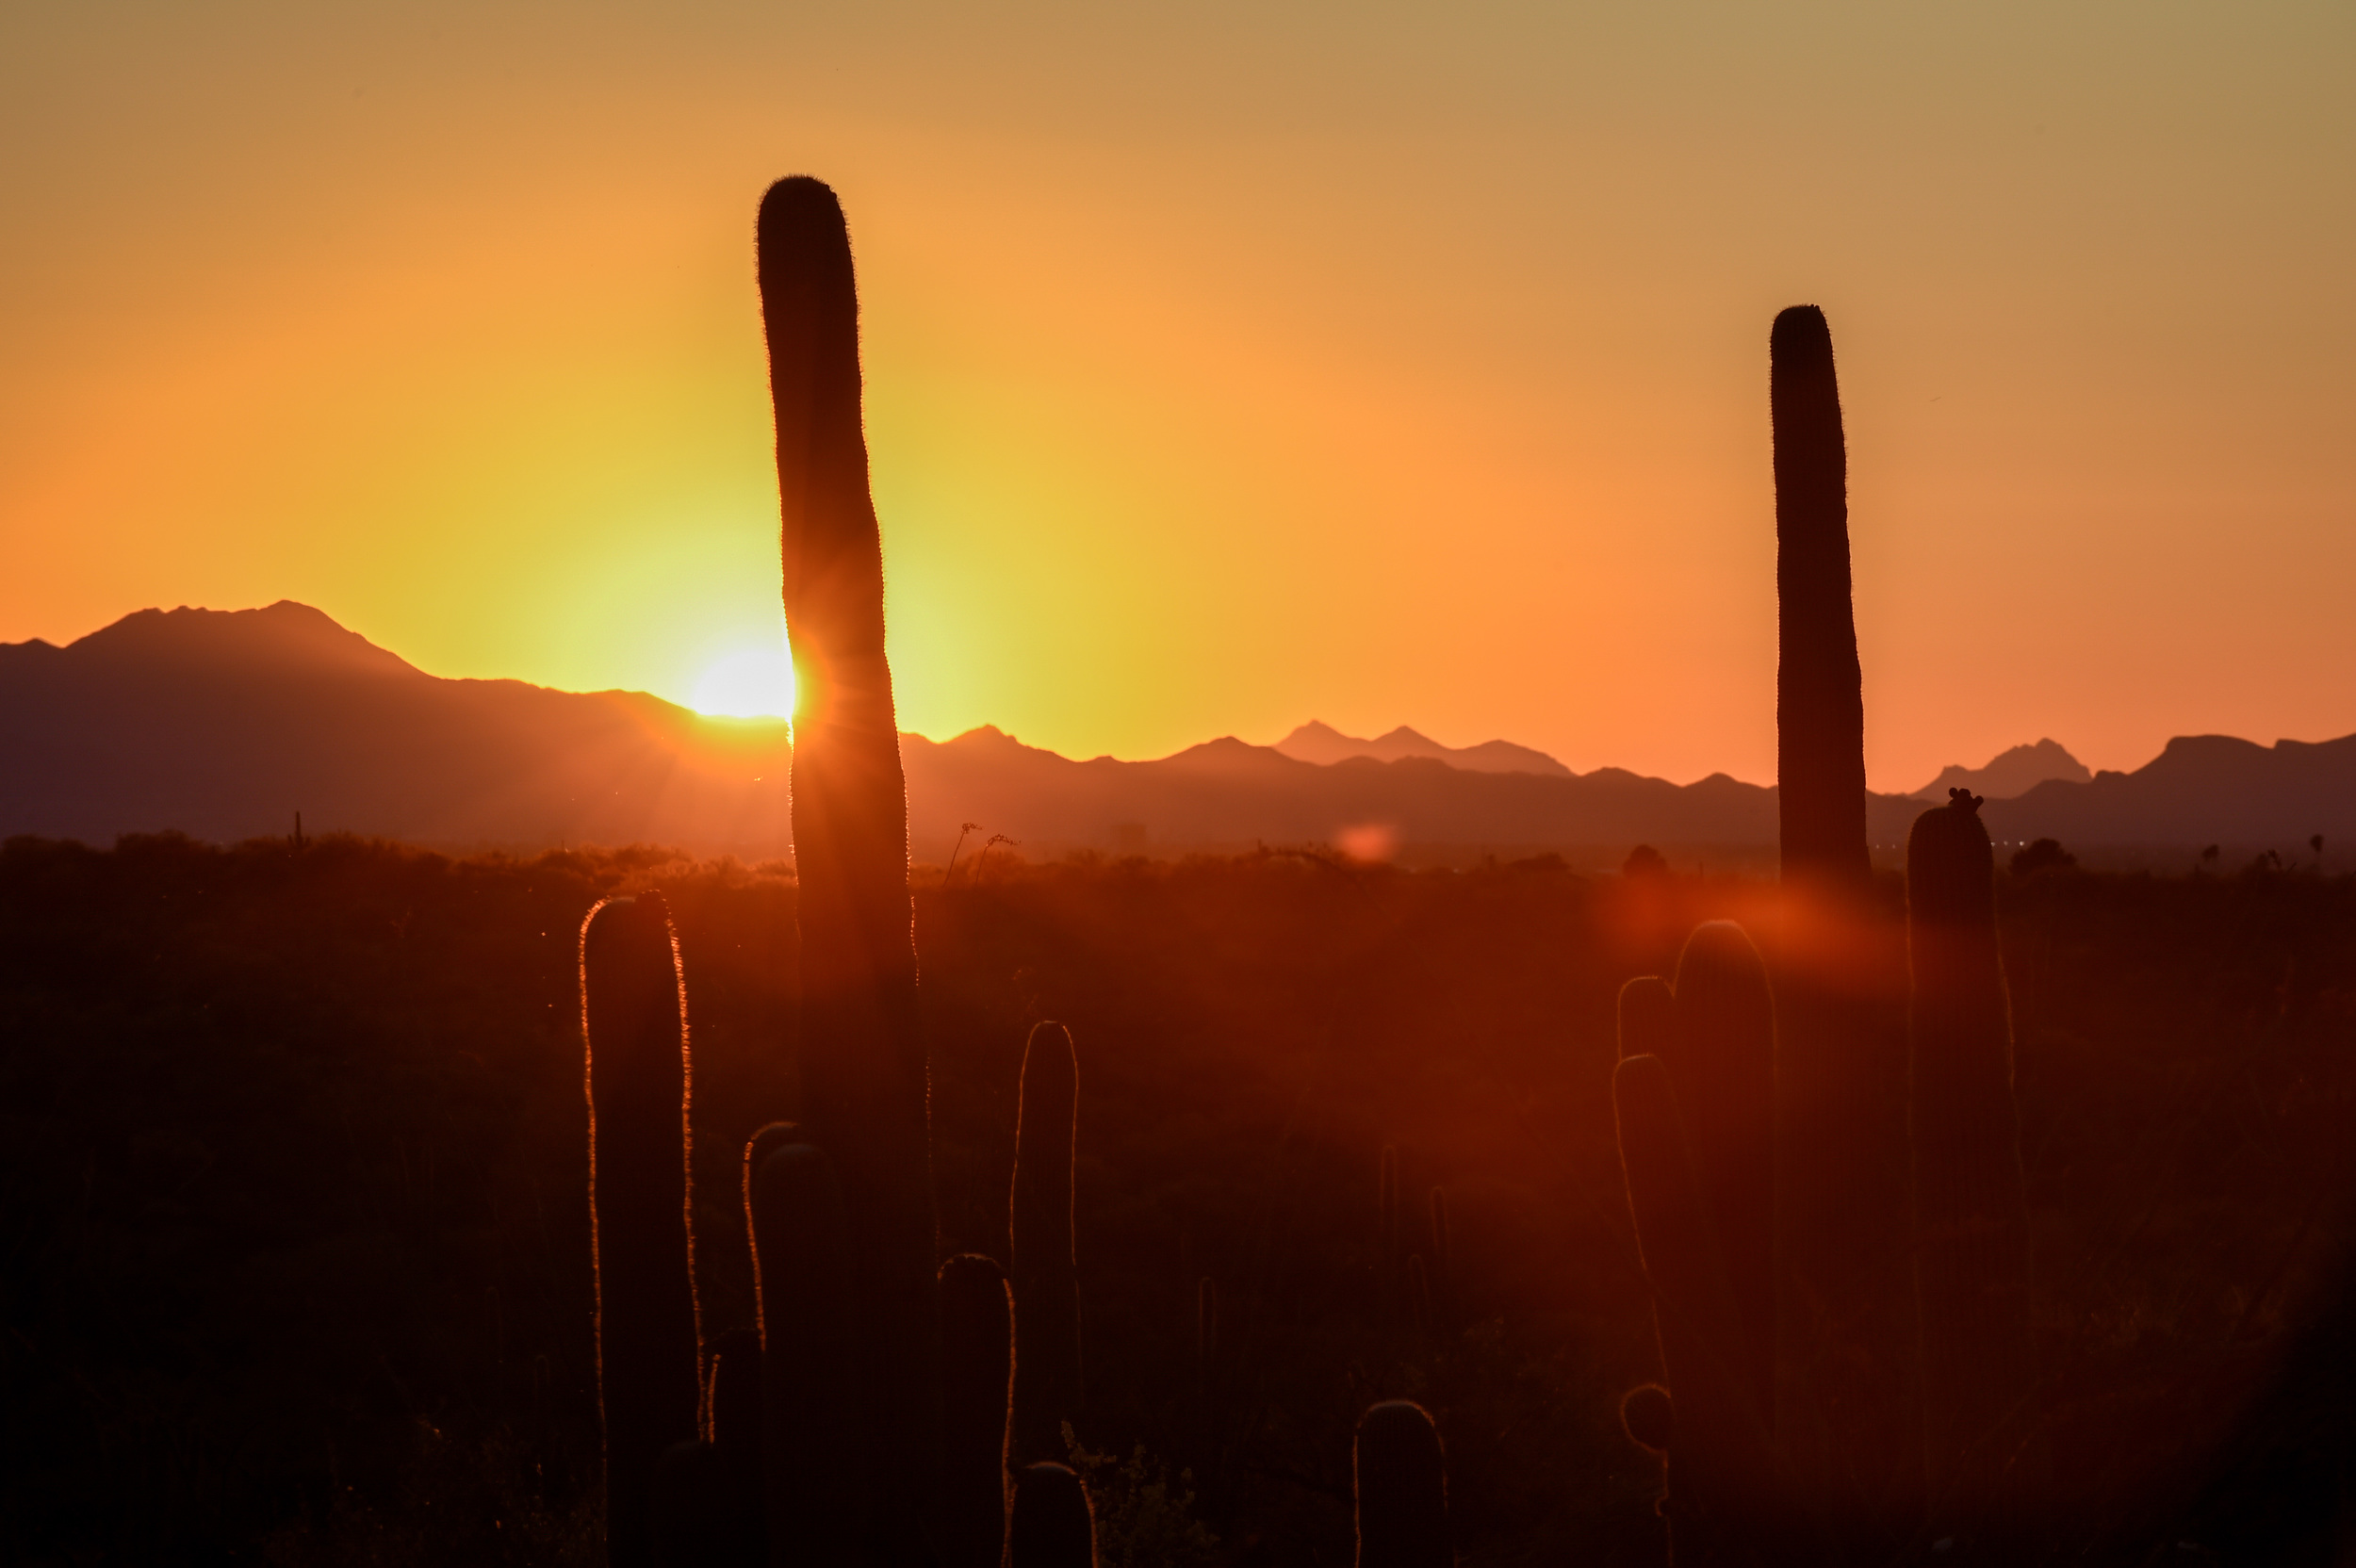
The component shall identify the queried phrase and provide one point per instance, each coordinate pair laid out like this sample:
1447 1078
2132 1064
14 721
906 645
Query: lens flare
749 683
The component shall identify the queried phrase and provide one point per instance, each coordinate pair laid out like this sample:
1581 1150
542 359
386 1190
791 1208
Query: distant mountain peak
2010 774
286 635
1320 743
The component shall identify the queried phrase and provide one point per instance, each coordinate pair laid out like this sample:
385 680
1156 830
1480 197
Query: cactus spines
649 1383
1820 704
977 1363
1050 1524
1399 1476
1047 1365
1971 1247
862 1057
814 1482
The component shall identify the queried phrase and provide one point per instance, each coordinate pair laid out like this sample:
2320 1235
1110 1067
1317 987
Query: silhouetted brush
976 1365
634 1015
1051 1524
1820 704
861 1047
1971 1249
815 1488
1048 1387
1399 1476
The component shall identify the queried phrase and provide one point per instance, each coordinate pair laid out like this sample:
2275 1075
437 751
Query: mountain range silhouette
223 725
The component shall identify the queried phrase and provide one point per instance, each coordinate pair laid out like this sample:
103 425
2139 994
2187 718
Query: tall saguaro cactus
1820 703
1047 1365
634 1024
863 1052
1846 1411
1972 1243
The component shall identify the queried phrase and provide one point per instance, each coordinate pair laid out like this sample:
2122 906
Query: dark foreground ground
293 1239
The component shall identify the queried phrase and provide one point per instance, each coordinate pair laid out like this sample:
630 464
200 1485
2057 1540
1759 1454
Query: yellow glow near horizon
751 683
1226 367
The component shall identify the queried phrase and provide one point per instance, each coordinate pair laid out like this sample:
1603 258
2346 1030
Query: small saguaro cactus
1400 1478
1722 1052
1048 1387
977 1363
1971 1208
634 1029
1050 1524
816 1486
860 1045
1721 1463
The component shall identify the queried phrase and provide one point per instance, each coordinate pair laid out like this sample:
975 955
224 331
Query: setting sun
749 683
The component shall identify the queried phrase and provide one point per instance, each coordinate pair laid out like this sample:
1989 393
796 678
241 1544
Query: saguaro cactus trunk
635 1024
1819 702
1846 1408
863 1052
1972 1240
1047 1365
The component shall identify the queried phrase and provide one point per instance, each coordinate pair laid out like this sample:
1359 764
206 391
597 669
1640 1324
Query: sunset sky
1227 364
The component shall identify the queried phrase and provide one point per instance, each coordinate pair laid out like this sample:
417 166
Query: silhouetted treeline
293 1176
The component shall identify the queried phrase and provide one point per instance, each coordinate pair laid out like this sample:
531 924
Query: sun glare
750 683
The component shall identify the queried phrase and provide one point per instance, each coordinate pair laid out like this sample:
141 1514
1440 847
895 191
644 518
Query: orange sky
1227 364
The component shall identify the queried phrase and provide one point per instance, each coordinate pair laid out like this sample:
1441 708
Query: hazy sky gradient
1227 364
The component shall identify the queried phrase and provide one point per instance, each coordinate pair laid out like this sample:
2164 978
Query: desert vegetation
369 1205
